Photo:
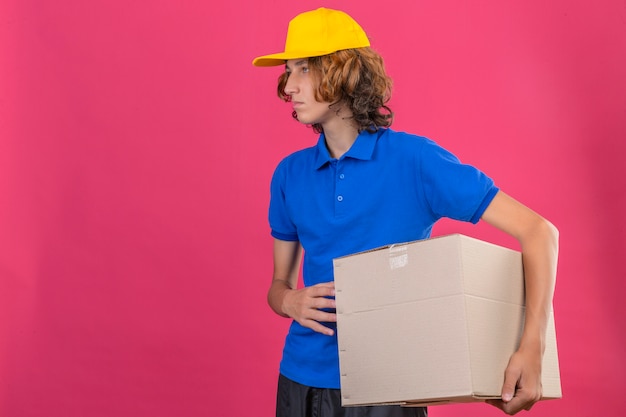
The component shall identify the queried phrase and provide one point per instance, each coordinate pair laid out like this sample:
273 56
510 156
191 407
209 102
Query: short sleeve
453 189
280 222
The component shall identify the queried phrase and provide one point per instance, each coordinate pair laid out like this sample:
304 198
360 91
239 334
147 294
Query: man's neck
340 138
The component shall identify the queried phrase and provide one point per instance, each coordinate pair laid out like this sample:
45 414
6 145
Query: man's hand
522 383
305 306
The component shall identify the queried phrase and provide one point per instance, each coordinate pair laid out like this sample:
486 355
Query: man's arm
539 244
303 305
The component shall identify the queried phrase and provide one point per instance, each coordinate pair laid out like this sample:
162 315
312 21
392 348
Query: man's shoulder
404 141
300 155
297 162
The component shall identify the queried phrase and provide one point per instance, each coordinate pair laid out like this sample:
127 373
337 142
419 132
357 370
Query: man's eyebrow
297 64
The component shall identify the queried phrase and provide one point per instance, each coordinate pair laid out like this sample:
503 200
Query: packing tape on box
398 256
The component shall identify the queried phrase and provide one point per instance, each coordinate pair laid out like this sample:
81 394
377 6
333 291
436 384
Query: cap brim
280 58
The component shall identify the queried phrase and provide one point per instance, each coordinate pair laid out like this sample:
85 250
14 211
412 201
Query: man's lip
295 104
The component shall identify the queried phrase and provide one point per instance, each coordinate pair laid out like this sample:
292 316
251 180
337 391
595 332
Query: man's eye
305 69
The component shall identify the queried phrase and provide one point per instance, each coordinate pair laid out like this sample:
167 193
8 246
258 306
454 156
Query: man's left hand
522 383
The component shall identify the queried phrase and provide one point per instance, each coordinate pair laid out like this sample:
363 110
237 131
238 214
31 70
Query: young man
363 186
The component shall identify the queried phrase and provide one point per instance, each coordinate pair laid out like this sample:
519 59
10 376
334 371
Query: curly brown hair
356 77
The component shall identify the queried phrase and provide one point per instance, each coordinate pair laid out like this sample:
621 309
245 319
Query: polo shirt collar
362 148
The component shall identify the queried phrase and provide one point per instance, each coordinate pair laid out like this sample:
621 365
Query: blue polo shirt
390 187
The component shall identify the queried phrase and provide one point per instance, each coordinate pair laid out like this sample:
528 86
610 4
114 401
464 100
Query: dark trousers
297 400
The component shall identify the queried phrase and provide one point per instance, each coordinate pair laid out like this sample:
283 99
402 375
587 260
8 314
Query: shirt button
341 176
340 198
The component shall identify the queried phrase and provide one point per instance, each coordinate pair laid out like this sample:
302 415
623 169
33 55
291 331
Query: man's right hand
307 305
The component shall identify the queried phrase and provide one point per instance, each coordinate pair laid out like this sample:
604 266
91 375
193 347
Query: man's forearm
276 296
540 253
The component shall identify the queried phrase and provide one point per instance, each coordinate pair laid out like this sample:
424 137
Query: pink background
136 147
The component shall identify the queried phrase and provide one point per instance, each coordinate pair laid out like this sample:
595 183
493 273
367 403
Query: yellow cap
316 33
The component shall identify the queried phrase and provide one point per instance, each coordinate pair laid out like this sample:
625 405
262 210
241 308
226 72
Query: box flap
397 274
492 272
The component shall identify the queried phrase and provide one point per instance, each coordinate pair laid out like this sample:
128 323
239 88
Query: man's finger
314 325
323 316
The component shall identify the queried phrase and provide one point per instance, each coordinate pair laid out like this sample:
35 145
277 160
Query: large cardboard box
432 322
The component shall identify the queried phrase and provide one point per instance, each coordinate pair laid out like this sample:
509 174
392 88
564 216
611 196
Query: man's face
301 86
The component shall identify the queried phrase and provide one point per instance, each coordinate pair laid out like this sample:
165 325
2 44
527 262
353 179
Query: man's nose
291 87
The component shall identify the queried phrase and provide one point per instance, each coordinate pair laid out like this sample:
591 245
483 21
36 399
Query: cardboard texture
432 322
